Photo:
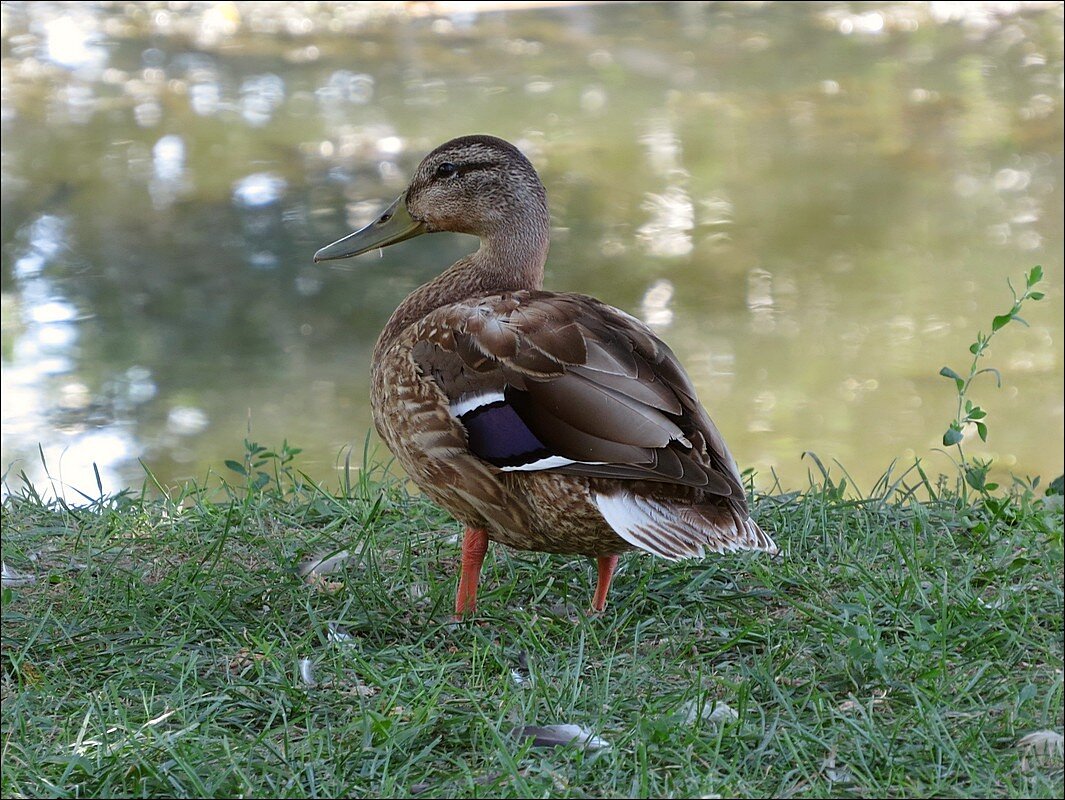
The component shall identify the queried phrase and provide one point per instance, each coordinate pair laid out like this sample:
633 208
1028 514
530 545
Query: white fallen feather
322 563
716 713
14 578
561 735
519 679
307 672
1042 748
337 635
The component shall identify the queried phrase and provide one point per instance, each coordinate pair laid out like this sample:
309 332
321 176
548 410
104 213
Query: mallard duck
545 421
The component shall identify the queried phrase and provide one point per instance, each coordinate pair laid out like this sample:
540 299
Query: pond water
817 205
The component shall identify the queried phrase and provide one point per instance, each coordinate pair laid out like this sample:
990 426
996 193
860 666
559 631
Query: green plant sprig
256 457
968 413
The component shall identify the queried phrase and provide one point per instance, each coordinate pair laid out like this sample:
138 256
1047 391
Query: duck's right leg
474 547
606 565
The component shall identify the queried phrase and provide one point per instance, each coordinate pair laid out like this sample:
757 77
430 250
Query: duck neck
505 261
512 259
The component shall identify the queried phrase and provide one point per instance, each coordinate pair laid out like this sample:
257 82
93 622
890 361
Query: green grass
896 649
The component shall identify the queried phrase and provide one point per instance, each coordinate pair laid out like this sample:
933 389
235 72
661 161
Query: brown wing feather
590 381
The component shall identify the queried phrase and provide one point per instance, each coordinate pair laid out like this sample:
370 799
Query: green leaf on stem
1001 321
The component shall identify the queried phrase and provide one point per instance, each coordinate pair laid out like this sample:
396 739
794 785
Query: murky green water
817 205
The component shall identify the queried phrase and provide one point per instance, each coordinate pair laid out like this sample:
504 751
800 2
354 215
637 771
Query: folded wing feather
587 388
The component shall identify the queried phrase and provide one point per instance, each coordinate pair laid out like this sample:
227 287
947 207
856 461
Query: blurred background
817 205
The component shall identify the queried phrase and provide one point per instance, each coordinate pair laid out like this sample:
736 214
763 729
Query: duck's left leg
474 546
606 565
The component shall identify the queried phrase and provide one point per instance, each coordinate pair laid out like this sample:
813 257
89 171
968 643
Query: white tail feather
678 531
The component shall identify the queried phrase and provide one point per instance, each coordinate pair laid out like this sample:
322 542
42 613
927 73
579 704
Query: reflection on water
817 205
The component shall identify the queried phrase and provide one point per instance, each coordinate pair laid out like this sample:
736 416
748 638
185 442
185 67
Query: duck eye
446 170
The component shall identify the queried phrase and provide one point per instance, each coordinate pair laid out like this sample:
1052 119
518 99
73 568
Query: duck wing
564 382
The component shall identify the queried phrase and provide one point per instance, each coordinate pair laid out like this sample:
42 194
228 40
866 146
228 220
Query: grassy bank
175 647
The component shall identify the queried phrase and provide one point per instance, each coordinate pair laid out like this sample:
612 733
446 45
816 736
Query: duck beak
394 225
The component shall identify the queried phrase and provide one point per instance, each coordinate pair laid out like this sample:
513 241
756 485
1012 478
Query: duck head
480 185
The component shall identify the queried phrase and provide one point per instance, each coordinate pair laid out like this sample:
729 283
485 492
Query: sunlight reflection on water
814 239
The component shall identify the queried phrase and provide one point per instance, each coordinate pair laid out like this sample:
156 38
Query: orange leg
606 566
474 546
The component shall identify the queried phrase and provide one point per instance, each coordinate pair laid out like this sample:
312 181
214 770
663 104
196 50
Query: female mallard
543 420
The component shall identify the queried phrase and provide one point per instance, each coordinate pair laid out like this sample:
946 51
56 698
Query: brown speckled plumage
604 420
